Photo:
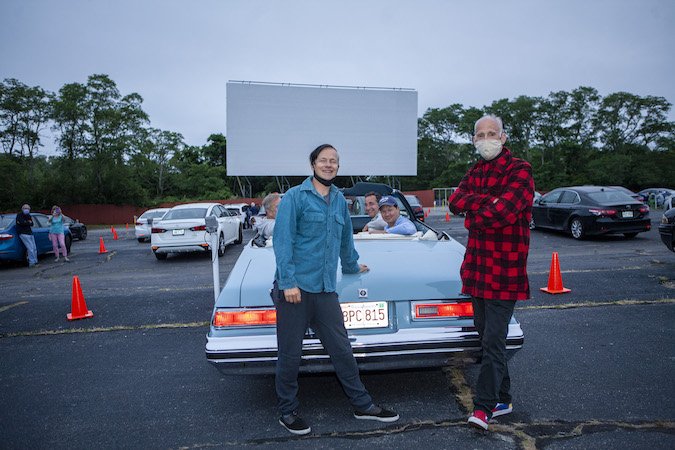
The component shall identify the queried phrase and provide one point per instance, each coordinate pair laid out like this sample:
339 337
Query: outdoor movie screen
272 128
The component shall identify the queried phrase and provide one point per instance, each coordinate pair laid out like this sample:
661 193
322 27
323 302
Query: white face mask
489 148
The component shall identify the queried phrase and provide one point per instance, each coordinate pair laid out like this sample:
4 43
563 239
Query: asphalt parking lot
596 370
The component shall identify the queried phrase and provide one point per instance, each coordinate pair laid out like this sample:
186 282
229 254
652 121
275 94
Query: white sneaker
66 258
56 260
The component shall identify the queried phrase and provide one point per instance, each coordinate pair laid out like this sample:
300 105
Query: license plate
365 315
626 214
178 232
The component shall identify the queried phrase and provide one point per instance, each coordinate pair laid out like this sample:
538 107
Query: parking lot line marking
5 308
597 304
158 326
591 270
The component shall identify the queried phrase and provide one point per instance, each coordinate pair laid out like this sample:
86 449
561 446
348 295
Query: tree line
108 152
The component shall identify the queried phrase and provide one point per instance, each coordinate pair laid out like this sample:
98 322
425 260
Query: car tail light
644 209
245 318
158 230
602 212
139 223
442 310
199 228
6 237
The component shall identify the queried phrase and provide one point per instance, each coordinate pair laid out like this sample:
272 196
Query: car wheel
161 256
221 245
630 235
83 235
241 236
69 242
577 228
141 239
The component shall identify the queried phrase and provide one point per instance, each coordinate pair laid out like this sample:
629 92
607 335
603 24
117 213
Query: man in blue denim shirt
313 228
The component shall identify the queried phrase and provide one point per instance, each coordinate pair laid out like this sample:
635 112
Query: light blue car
11 247
406 312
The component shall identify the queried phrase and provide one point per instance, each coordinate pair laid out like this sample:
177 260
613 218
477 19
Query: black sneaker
376 413
294 423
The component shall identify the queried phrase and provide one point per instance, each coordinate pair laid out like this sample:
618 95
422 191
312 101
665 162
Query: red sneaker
478 419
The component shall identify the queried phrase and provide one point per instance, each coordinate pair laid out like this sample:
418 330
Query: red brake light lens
199 228
139 223
443 310
158 230
6 237
251 317
602 212
644 209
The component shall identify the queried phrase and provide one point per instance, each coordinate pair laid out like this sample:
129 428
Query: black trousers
322 312
492 318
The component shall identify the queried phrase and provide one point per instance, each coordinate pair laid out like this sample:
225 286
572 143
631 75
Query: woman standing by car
57 233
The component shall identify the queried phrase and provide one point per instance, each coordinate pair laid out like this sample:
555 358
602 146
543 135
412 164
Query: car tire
83 235
69 242
221 245
630 235
577 228
161 256
141 239
240 238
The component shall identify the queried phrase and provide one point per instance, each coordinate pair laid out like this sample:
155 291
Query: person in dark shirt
24 222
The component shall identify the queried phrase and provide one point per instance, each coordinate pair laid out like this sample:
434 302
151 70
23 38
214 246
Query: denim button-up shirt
309 235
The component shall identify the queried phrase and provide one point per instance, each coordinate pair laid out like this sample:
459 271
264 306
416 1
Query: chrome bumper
405 349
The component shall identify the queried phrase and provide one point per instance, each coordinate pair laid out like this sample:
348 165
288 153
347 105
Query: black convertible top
362 188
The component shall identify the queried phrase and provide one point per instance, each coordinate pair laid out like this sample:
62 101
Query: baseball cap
387 200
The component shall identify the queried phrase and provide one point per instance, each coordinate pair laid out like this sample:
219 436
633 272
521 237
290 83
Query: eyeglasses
489 135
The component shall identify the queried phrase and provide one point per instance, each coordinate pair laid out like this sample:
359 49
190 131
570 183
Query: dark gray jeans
491 318
322 312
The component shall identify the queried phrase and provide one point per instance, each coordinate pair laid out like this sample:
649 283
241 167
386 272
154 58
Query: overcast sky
178 55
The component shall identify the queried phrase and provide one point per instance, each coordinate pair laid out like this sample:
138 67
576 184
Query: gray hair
497 119
269 199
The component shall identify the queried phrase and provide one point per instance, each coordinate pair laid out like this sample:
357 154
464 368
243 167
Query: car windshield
7 220
152 214
412 200
609 197
185 213
357 206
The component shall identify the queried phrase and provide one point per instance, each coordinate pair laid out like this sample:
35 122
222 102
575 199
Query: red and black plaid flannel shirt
497 199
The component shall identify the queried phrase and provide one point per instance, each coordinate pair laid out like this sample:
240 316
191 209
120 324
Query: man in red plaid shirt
496 196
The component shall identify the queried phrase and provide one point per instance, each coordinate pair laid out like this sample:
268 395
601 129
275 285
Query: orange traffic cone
126 225
101 246
77 304
114 233
555 284
447 217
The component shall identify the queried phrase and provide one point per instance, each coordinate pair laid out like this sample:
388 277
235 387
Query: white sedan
183 229
142 229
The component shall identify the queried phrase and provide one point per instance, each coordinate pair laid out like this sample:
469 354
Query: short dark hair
377 196
316 151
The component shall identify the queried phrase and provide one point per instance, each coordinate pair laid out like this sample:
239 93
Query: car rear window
609 197
152 214
185 213
6 221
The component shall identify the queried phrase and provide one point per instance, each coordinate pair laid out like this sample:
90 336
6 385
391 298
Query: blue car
11 247
406 312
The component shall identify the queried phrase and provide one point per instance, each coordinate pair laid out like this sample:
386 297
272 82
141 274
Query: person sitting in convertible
396 223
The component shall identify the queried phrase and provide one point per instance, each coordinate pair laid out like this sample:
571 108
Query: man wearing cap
396 223
24 222
496 195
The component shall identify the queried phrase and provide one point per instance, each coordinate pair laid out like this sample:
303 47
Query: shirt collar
500 163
